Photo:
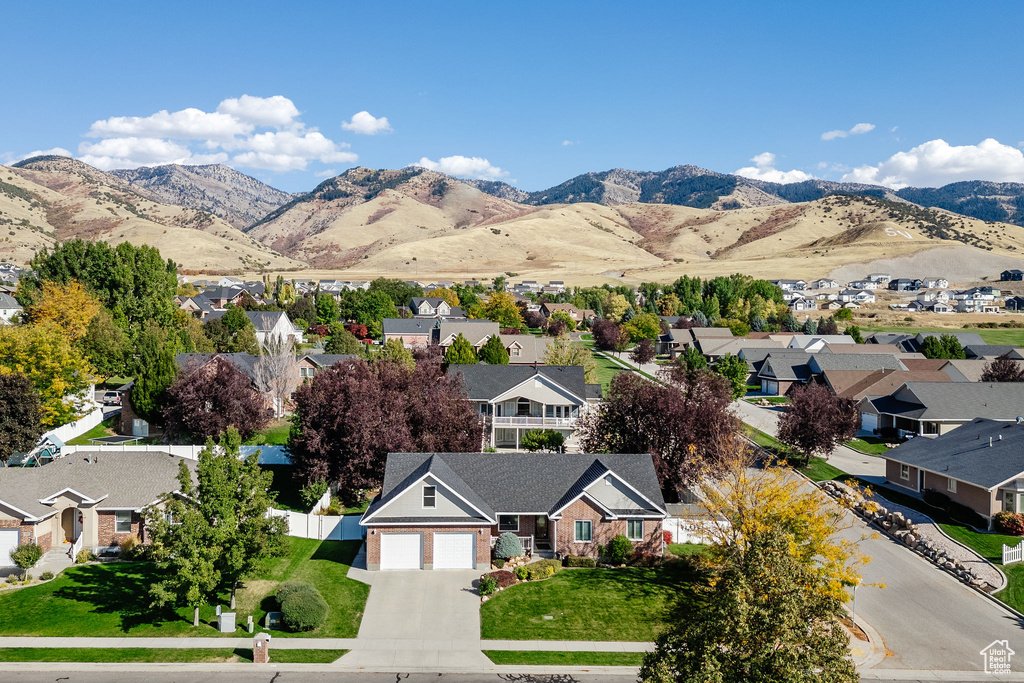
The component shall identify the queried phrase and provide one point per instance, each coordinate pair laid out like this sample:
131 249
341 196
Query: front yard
627 604
113 599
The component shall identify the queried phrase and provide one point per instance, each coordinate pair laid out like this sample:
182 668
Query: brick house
446 510
85 500
980 465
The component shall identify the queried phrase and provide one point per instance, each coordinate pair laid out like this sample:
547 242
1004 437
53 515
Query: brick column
261 648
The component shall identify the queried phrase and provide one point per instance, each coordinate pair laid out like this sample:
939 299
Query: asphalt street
271 676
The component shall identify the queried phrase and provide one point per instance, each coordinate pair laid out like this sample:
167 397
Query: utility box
226 622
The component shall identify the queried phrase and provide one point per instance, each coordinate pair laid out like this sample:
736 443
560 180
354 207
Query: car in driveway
111 398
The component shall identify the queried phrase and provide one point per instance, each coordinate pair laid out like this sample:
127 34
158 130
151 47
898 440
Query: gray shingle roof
8 301
987 350
954 400
965 454
518 482
129 480
243 361
399 326
786 366
325 360
851 361
264 321
485 382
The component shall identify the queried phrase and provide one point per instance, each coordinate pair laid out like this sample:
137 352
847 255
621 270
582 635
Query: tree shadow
341 552
121 590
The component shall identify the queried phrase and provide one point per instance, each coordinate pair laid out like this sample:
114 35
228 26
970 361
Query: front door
67 524
541 527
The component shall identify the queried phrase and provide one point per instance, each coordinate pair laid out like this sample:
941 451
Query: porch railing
76 547
526 421
526 541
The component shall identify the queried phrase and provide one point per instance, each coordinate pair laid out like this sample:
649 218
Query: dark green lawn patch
289 493
819 470
305 656
629 604
113 599
773 400
870 444
550 658
105 428
274 435
124 654
687 549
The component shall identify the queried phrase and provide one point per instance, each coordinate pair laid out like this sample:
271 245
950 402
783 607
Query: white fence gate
1011 555
322 527
691 530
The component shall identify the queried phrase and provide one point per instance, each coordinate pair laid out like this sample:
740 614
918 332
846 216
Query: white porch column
517 438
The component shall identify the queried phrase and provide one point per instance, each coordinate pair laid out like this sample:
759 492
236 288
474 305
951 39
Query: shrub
302 607
644 560
577 561
312 492
488 585
84 556
543 569
542 439
499 563
289 587
619 550
522 573
1010 523
504 577
131 548
666 536
11 578
46 576
508 546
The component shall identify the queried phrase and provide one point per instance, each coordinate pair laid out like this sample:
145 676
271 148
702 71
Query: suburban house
576 314
857 296
9 307
476 332
912 344
881 278
446 510
813 343
935 282
863 284
312 364
89 501
789 285
733 345
935 408
677 341
825 283
858 384
274 325
1015 303
1015 275
820 363
905 284
412 332
780 370
980 465
434 307
799 304
514 399
525 348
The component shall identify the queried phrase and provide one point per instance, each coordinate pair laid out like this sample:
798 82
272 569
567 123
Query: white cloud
326 173
569 143
465 167
364 123
858 129
764 169
936 163
55 151
894 129
169 137
278 111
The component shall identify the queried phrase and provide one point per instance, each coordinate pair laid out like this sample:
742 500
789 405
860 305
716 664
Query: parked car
111 398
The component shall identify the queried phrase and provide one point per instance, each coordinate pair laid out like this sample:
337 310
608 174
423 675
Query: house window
584 531
123 522
635 529
1008 501
523 407
905 472
513 351
430 496
508 522
951 485
306 372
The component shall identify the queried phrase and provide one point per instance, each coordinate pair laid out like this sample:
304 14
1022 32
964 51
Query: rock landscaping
919 533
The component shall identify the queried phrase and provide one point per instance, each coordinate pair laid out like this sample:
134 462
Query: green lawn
819 470
998 336
275 434
606 369
113 600
288 492
628 604
550 658
772 400
105 428
764 440
687 549
160 655
870 445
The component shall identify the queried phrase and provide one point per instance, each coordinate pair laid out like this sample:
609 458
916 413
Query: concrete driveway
420 618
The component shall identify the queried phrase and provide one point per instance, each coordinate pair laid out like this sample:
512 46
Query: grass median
551 658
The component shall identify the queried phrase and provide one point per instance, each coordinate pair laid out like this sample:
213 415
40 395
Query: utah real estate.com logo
997 657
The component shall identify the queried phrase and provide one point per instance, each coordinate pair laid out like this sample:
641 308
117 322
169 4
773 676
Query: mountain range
613 224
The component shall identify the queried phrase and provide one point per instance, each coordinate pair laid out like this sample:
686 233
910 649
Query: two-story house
514 399
434 307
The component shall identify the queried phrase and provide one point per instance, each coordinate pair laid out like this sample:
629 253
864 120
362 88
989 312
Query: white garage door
8 542
868 422
455 551
401 551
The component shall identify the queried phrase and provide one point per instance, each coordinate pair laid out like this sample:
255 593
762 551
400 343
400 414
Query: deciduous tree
20 415
608 336
341 340
208 398
461 352
394 351
642 326
348 418
734 369
326 309
564 352
817 421
643 352
691 360
614 306
944 346
276 373
450 296
69 307
106 345
502 309
1003 369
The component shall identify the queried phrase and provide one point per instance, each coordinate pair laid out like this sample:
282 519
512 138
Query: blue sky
529 93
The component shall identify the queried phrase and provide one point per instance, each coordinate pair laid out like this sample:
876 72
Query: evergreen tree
461 352
494 352
154 369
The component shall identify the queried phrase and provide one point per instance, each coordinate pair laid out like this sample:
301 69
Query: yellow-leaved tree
59 371
449 295
68 307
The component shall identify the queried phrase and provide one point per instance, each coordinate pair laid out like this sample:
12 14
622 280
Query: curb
272 668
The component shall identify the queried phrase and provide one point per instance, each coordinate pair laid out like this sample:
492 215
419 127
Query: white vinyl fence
322 527
1015 554
690 530
75 429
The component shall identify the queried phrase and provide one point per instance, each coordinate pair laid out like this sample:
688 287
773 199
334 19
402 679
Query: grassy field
772 400
275 434
606 369
686 549
113 599
999 336
819 470
629 604
869 445
550 658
